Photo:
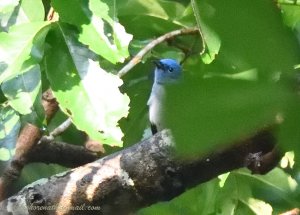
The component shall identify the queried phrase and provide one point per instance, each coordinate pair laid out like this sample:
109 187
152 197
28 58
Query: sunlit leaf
288 160
5 154
87 93
290 13
277 179
21 54
211 41
258 206
8 5
212 44
13 12
102 33
235 197
23 89
223 178
6 10
17 46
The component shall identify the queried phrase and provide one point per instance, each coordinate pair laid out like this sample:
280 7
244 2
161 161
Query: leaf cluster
240 75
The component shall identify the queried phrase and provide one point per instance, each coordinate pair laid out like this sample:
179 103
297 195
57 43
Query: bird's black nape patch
153 129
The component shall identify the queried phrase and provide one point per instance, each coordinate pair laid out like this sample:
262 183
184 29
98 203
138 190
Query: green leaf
258 206
23 89
5 154
288 160
14 13
168 10
161 17
211 43
229 197
290 13
102 33
85 92
289 134
277 180
235 197
200 200
8 5
6 11
223 179
243 42
22 79
219 111
26 8
9 127
17 46
277 187
137 86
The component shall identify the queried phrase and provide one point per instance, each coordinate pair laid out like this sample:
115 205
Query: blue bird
167 71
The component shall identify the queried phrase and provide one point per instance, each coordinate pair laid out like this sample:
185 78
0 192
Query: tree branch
32 147
136 59
295 211
61 153
50 104
27 140
133 178
57 131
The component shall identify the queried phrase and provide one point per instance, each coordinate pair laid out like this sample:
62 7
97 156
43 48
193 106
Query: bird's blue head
167 71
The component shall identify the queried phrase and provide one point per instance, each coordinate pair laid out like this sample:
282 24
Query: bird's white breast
156 107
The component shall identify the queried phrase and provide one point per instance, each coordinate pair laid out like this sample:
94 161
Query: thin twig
135 60
57 131
52 15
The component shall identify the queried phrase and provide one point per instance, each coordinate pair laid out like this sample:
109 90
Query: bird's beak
158 64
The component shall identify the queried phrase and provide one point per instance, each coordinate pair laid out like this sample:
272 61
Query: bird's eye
170 69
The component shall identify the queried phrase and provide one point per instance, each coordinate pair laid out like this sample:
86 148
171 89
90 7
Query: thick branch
65 154
27 139
136 177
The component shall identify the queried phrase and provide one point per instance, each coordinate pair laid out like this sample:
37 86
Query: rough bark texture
138 176
61 153
27 140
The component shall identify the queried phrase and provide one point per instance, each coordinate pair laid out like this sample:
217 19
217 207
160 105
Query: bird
167 71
